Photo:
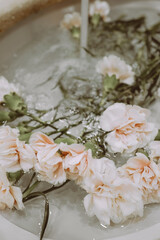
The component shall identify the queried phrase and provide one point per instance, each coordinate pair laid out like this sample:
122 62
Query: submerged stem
30 189
46 211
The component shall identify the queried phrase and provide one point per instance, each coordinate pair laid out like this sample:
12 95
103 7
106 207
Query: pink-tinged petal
49 162
10 196
113 117
17 195
138 162
73 148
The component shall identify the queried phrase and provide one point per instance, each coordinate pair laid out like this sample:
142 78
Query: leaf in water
25 132
15 103
76 32
92 145
25 137
109 83
69 141
95 19
14 177
4 116
141 150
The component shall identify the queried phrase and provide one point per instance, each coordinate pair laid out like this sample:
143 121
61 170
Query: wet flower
10 196
27 156
49 165
76 160
6 88
72 22
146 175
100 171
113 65
99 9
154 151
14 154
128 127
110 198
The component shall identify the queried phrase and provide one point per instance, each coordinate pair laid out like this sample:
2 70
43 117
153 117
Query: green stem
37 119
30 189
31 180
55 188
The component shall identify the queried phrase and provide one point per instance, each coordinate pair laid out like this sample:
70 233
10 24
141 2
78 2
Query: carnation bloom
6 88
76 160
145 174
14 154
100 8
110 197
113 65
128 127
10 196
154 151
71 20
49 165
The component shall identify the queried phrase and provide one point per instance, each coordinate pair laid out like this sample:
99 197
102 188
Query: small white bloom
113 65
101 8
14 154
129 127
10 196
110 198
6 88
145 174
154 151
49 165
71 20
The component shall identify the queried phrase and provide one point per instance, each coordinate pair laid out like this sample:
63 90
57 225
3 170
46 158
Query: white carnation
113 65
128 127
111 197
71 20
14 154
101 8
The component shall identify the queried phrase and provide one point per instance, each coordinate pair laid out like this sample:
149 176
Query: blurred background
12 11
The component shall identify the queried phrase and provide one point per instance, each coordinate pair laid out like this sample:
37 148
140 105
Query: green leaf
158 136
75 32
141 150
25 132
4 116
69 141
13 177
7 116
95 19
15 103
25 137
109 83
92 145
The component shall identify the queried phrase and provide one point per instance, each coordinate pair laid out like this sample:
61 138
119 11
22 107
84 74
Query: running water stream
84 26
